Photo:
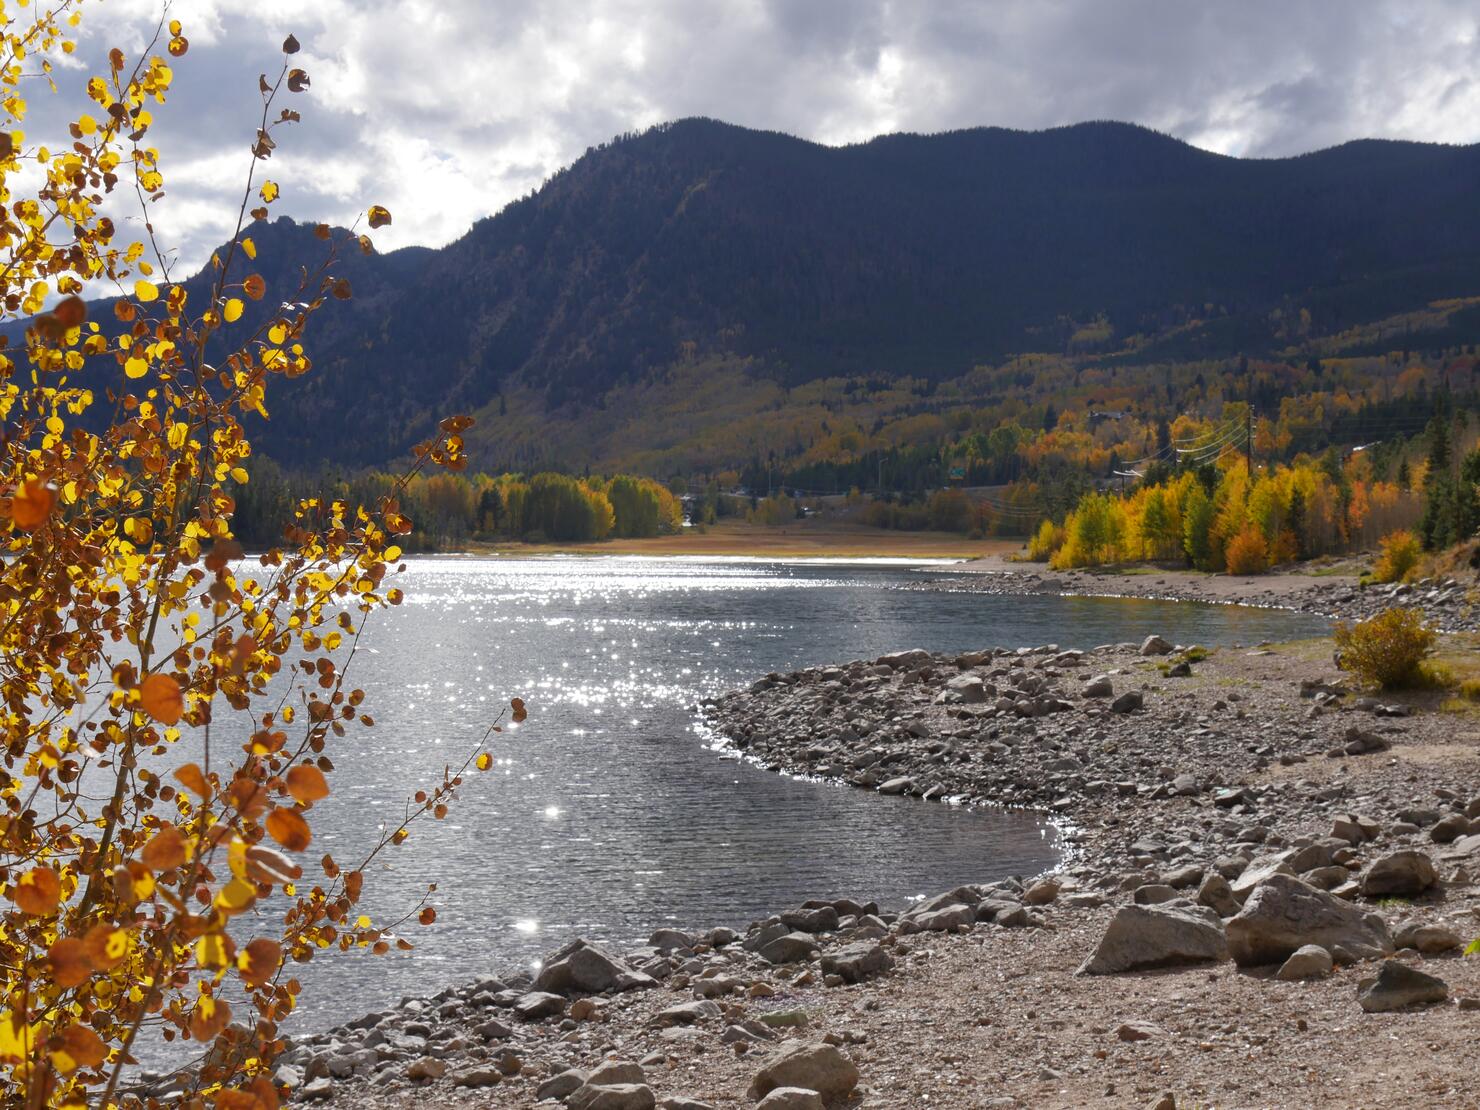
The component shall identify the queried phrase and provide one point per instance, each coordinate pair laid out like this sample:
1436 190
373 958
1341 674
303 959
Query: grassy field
804 539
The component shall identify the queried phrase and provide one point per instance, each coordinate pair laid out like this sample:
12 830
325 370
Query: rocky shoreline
1268 882
1448 603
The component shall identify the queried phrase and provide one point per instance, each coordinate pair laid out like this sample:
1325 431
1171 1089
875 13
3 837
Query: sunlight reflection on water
608 814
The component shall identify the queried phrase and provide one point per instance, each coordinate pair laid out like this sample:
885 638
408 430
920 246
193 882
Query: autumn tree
132 628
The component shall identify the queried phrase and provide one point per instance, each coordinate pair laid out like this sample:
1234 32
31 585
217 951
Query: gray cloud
444 110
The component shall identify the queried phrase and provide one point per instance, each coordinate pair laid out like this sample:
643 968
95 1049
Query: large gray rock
1401 874
539 1004
1157 936
815 1067
1217 895
789 948
965 689
1283 915
1397 985
857 962
616 1096
583 968
1155 645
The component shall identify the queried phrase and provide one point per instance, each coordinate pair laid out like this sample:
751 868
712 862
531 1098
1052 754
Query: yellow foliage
1387 651
1401 552
130 621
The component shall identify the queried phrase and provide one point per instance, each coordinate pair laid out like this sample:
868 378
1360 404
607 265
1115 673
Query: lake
610 812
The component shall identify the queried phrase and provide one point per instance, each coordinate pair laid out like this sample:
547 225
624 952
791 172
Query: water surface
610 812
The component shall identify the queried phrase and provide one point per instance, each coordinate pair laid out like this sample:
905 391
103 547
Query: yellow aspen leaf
80 1047
277 333
16 1038
249 248
254 286
269 192
289 829
211 950
146 291
306 783
191 777
166 850
69 962
231 311
485 761
38 891
136 367
379 216
236 896
31 504
259 961
160 696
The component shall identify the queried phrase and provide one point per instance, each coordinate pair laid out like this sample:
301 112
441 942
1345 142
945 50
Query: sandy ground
1213 587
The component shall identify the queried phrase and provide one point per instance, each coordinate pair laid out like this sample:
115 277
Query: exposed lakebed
610 813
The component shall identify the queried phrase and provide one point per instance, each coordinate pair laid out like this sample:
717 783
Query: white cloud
445 110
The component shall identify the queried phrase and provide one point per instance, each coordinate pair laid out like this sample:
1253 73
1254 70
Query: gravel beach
1268 880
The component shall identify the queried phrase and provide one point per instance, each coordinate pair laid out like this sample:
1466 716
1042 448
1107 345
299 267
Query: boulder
1397 986
582 967
789 948
539 1004
1157 936
791 1098
689 1013
1431 940
1400 874
1217 895
616 1096
1128 702
1308 962
965 690
561 1086
426 1067
1283 915
857 962
814 1067
1155 645
1099 687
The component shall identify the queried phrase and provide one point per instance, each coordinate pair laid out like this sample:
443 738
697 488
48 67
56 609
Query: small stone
791 1098
1310 961
1431 940
1139 1031
426 1067
477 1077
1397 986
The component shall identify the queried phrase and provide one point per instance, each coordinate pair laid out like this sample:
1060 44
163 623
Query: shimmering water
609 812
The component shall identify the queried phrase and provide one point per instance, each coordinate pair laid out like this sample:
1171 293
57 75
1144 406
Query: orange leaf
38 891
160 697
307 784
289 829
80 1048
254 287
519 712
259 961
209 1017
427 916
379 216
31 504
69 962
165 850
106 946
194 780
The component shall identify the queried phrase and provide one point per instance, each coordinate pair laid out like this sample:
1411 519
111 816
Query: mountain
782 261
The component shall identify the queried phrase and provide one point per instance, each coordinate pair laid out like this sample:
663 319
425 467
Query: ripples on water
608 814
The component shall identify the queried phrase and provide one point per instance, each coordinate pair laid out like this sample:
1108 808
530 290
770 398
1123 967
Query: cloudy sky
444 110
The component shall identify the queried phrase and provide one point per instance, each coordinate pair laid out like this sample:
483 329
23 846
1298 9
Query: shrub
1387 651
1247 553
1401 552
1048 539
1469 689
